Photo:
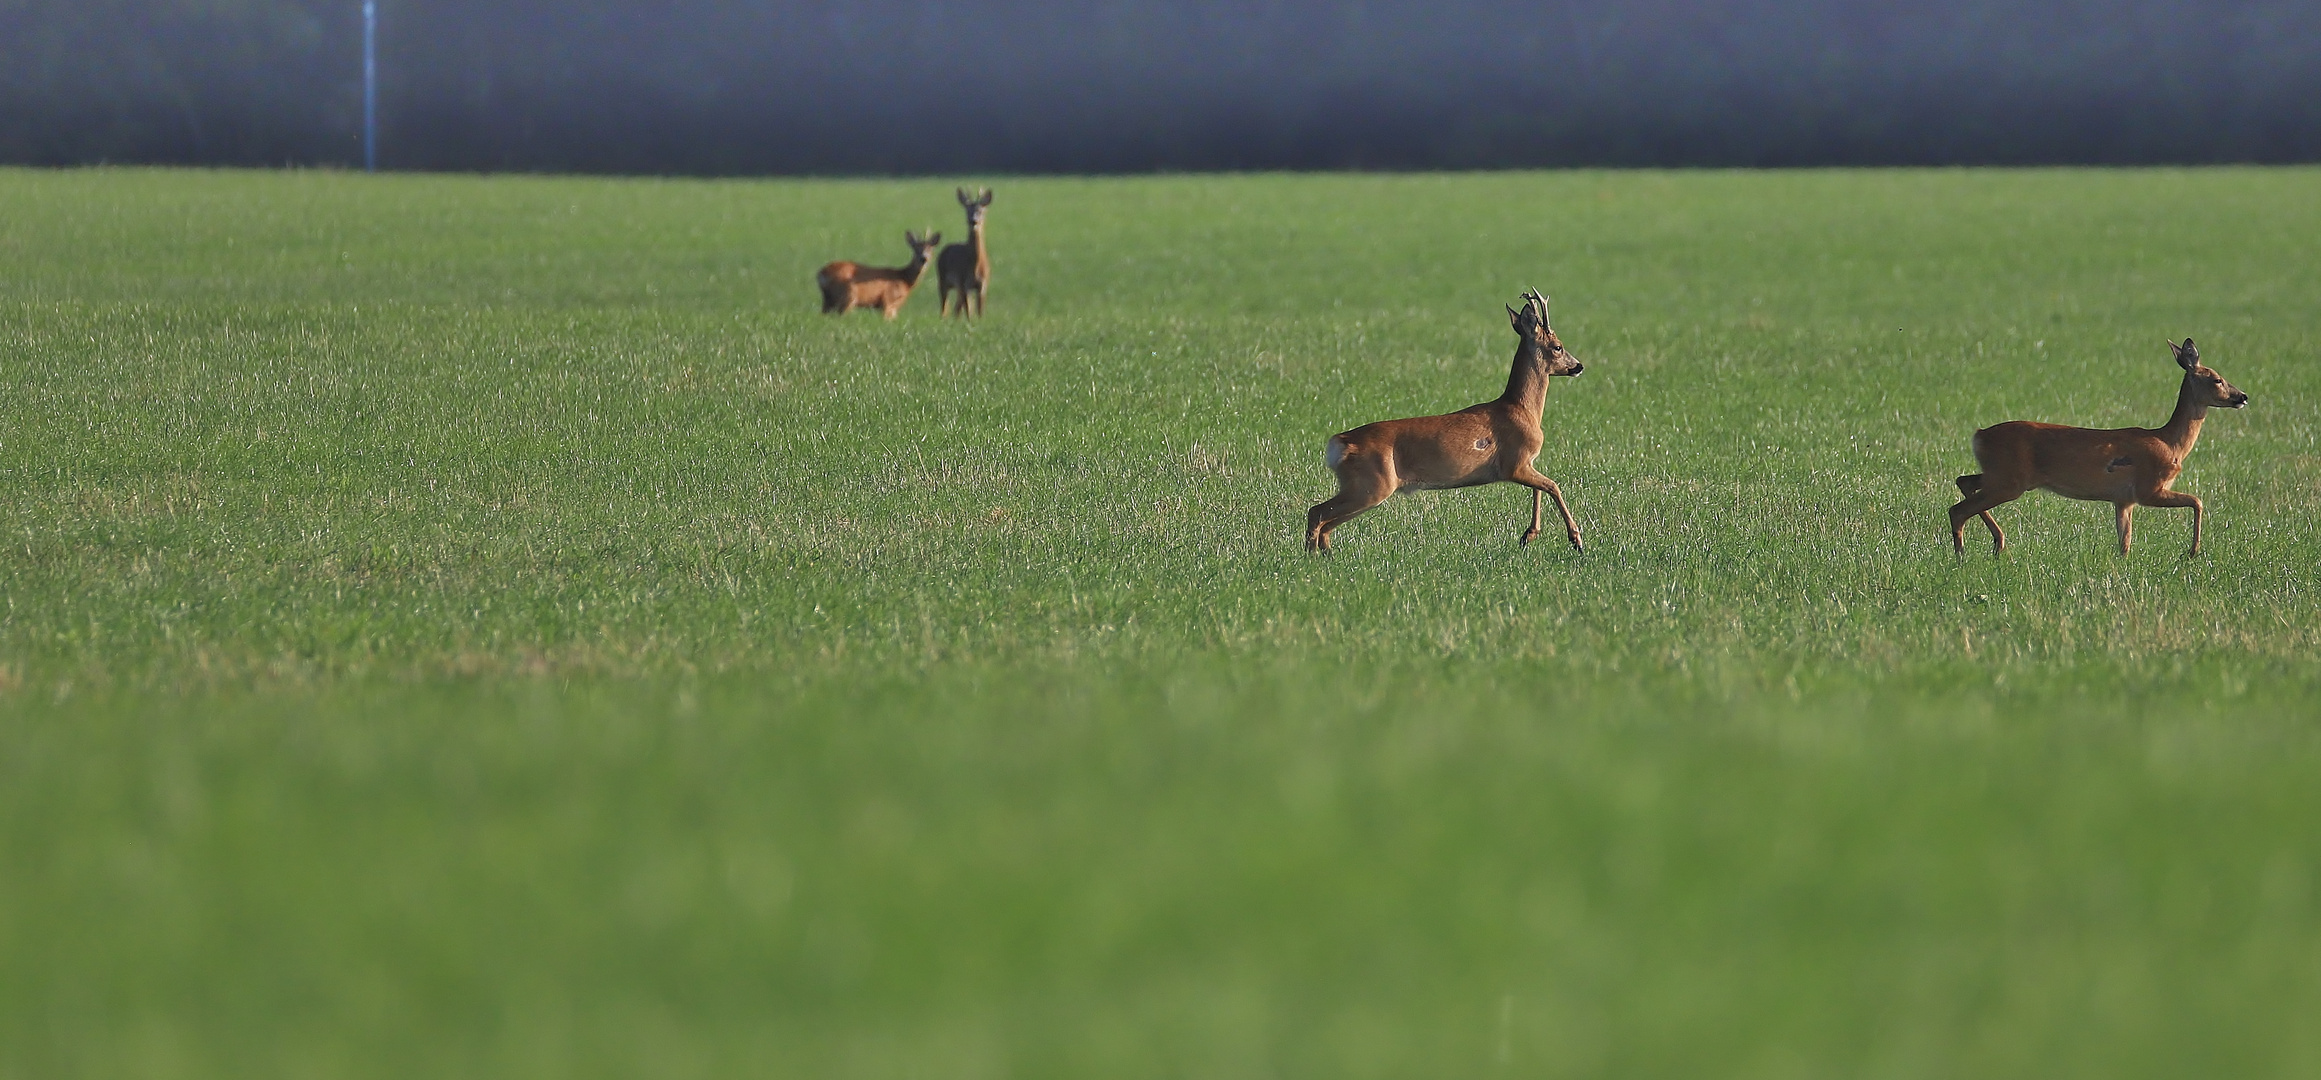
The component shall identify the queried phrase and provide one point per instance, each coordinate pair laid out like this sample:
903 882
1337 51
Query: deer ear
2187 355
1515 319
964 200
986 200
934 238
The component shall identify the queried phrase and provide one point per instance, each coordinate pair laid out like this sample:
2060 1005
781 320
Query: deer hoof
1579 547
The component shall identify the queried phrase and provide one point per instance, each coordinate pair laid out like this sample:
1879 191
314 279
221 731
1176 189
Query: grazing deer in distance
2126 467
965 267
846 285
1480 444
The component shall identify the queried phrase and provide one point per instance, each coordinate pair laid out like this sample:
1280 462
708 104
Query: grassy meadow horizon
496 626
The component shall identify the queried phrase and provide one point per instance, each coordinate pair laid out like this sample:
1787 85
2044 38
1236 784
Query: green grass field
493 627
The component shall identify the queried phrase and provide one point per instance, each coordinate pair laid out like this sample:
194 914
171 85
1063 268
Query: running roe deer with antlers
846 285
2126 467
965 267
1480 444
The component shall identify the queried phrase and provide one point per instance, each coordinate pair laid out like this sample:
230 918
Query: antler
1534 300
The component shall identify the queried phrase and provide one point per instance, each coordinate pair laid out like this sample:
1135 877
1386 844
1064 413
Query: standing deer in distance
1480 444
847 286
965 267
2126 467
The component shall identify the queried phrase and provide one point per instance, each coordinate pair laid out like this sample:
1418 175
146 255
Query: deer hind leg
1967 486
2178 498
1361 485
1978 503
1341 508
1539 484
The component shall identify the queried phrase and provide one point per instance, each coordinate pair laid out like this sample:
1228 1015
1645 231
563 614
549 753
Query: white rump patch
1333 452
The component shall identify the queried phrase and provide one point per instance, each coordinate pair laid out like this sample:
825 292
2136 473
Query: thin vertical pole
370 85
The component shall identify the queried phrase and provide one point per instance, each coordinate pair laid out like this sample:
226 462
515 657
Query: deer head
1531 325
922 248
2205 386
976 204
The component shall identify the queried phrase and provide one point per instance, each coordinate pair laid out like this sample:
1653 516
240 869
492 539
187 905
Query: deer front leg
2178 498
2126 525
1531 478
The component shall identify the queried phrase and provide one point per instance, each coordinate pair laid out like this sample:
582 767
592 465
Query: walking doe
2126 467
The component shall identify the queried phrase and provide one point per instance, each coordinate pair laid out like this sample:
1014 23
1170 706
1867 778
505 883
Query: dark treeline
900 86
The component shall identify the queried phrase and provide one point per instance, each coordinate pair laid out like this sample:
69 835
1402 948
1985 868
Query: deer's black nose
1577 368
